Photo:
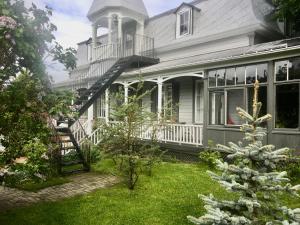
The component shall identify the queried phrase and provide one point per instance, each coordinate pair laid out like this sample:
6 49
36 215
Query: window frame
245 86
189 24
287 81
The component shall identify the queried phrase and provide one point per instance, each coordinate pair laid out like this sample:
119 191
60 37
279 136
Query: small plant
121 139
210 158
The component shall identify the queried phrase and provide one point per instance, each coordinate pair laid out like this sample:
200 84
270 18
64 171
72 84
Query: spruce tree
251 171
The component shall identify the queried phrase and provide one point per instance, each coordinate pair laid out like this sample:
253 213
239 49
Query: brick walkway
80 184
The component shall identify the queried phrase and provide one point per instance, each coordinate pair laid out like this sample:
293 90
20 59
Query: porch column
90 120
107 105
94 38
120 30
126 86
109 30
159 98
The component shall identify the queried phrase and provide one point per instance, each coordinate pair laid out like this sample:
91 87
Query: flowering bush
7 22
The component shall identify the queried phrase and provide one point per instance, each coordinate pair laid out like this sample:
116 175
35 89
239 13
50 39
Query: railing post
107 105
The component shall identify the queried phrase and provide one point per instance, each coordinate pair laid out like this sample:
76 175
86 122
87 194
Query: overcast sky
73 27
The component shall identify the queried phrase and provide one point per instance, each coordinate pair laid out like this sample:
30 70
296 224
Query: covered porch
176 99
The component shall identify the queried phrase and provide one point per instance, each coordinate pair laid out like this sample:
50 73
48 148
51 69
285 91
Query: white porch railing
170 133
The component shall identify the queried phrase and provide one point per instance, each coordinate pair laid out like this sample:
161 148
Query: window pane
235 98
221 77
216 108
240 75
212 78
230 76
294 69
262 73
251 74
287 106
281 70
262 97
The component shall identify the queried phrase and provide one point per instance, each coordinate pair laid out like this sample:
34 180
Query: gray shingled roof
220 56
134 5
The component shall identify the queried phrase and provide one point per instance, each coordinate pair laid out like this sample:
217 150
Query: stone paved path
80 184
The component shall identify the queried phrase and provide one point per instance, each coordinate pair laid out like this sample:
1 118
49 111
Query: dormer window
185 22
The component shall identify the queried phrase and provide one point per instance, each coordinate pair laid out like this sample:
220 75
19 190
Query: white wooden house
210 52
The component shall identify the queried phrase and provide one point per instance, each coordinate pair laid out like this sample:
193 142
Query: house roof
186 4
133 5
219 56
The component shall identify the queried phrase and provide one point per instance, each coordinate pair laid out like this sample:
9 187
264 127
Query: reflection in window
221 77
235 98
230 76
251 74
212 78
262 73
240 75
216 108
281 70
287 106
294 69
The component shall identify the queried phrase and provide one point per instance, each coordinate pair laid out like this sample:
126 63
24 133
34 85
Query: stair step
72 163
68 148
62 129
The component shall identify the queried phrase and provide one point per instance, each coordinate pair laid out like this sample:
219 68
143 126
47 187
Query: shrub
210 158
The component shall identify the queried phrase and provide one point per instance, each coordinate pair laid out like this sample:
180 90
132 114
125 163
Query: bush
209 156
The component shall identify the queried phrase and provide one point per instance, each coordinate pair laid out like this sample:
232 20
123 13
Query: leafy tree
289 9
121 139
26 36
26 40
254 175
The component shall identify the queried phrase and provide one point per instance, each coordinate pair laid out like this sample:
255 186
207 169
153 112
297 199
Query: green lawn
166 198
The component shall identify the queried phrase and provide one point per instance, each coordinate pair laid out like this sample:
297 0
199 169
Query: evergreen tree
254 175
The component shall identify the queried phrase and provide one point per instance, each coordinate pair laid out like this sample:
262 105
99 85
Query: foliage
209 157
23 114
254 176
121 140
26 36
26 40
287 8
291 166
59 104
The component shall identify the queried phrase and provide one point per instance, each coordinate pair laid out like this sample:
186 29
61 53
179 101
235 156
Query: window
235 98
101 107
216 108
184 23
287 83
233 87
287 106
199 106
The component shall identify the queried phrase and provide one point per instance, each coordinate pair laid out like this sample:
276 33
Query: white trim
189 22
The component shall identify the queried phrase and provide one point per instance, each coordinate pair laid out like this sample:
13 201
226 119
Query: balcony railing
189 134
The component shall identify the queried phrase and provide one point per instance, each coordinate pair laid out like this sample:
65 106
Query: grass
166 198
35 187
